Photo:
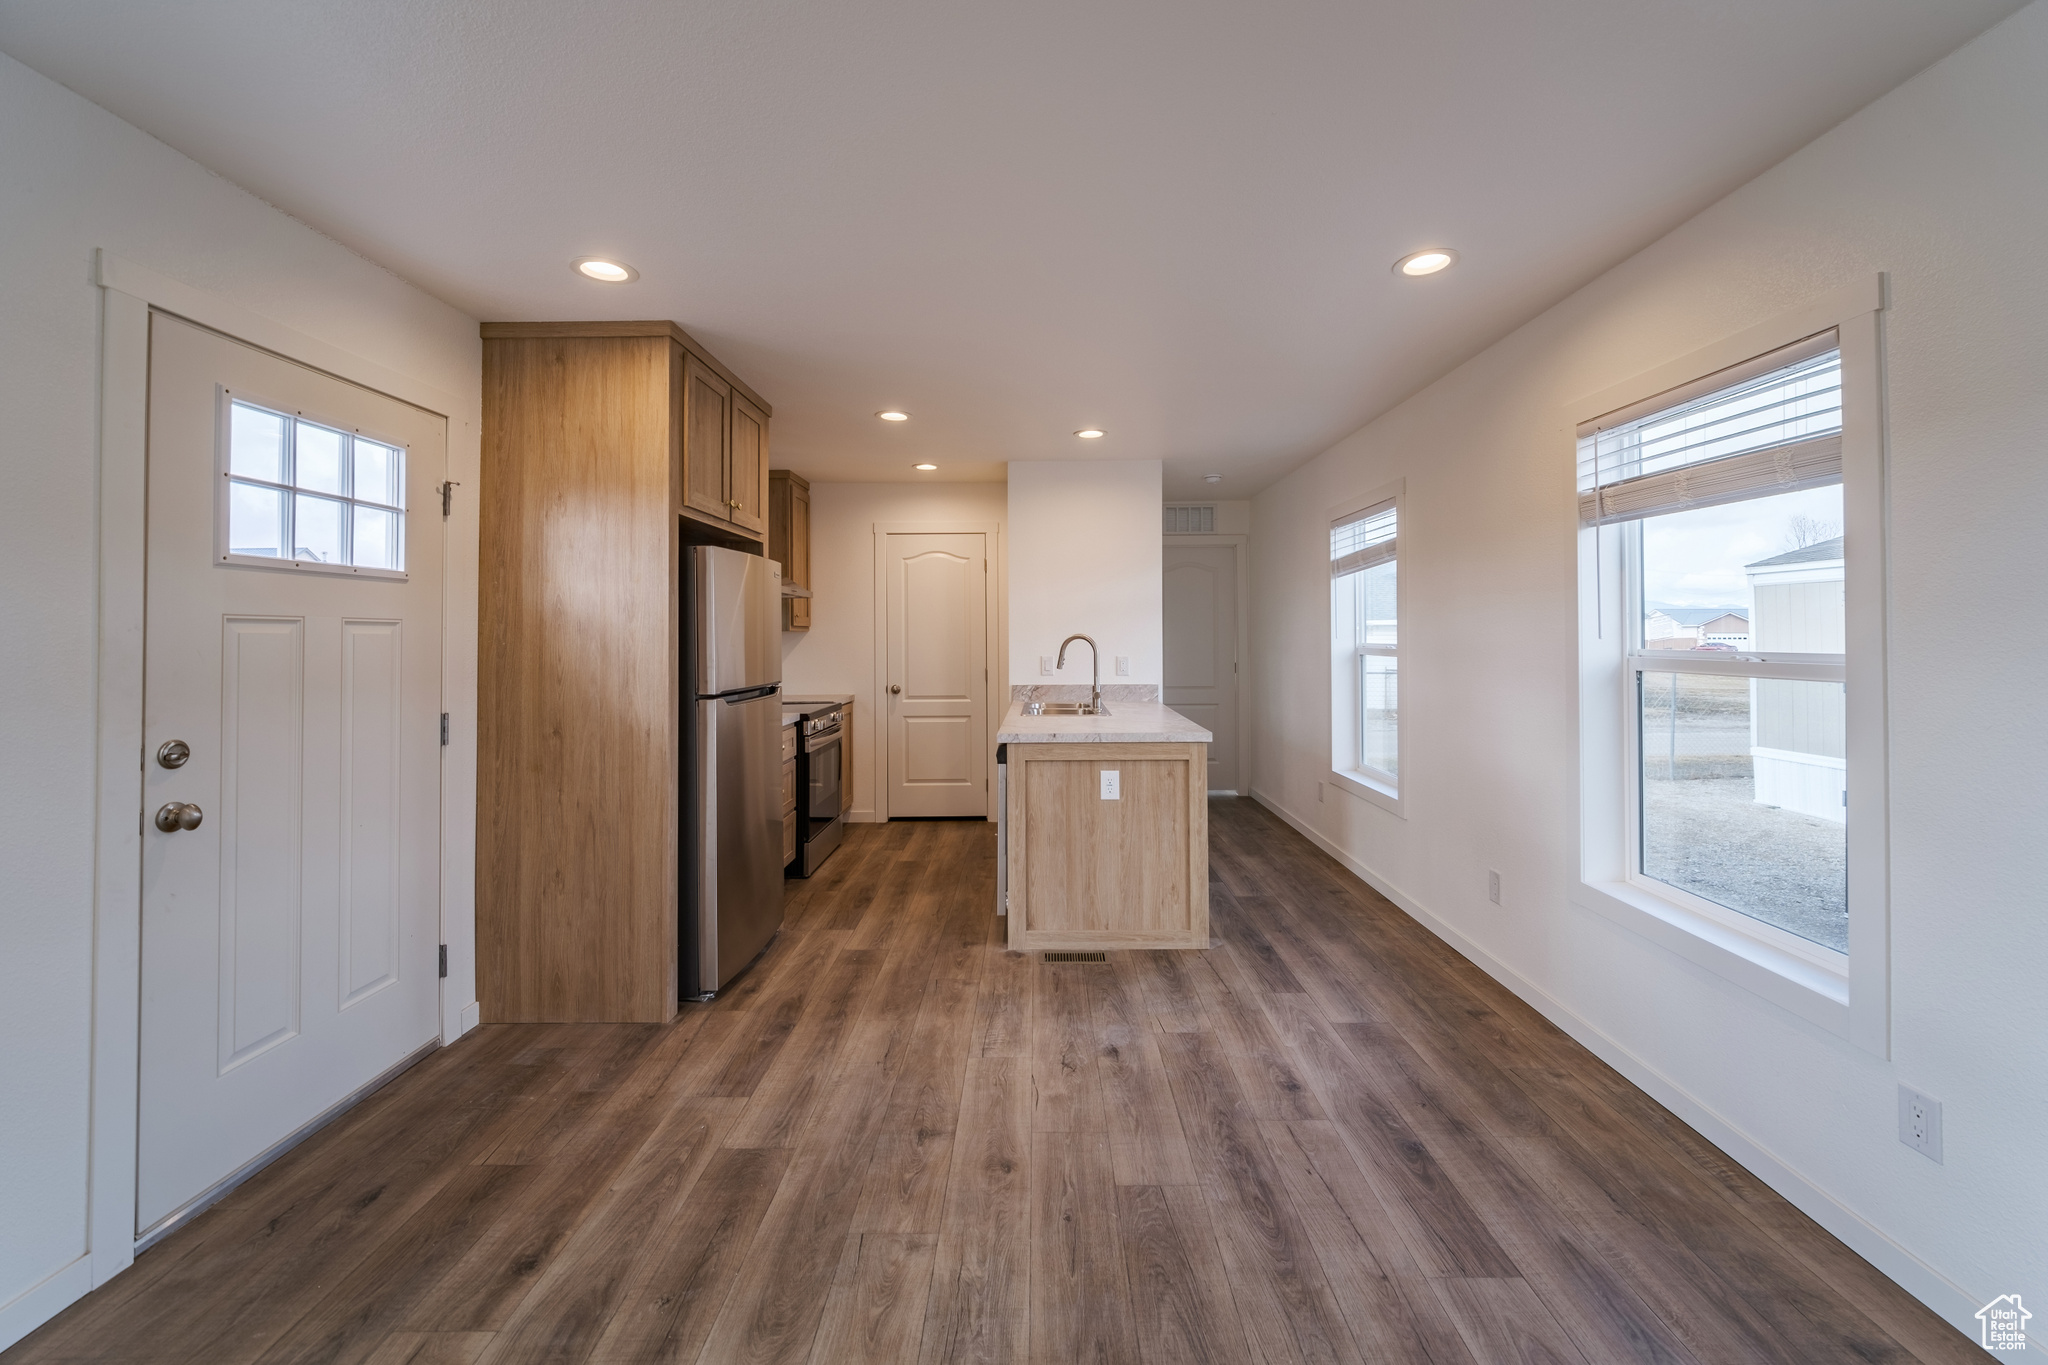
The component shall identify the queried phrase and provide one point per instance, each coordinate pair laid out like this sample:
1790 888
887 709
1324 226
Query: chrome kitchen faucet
1094 668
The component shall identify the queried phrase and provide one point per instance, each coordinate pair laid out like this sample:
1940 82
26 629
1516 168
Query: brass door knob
173 816
894 689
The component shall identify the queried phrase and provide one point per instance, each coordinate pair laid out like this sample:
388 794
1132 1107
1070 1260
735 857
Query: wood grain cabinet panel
586 438
789 541
1088 872
747 466
789 793
707 459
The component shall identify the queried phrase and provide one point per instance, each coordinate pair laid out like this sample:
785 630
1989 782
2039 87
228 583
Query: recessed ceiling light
1212 478
893 416
606 271
1089 433
1426 262
925 466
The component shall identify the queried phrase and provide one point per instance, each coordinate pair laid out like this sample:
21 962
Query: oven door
821 797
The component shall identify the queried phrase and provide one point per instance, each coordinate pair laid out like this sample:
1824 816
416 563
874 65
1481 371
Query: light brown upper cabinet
725 450
607 447
707 454
747 465
789 541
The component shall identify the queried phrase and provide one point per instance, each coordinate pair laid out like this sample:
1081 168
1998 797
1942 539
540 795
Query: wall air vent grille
1191 520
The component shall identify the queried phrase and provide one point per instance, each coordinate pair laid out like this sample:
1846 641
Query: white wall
78 179
1941 184
837 654
1085 558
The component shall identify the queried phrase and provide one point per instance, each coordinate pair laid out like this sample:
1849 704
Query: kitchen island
1104 829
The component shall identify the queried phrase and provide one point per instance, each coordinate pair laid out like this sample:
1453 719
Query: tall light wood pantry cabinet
607 448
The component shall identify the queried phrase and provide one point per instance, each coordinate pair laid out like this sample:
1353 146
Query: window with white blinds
1362 539
1365 677
1770 425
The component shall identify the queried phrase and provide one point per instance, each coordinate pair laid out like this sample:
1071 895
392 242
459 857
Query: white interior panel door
291 887
938 674
1200 601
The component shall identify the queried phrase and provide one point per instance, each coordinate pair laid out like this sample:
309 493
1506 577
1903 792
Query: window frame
1372 785
1849 995
225 479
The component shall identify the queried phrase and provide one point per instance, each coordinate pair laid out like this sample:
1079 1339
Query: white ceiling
1170 218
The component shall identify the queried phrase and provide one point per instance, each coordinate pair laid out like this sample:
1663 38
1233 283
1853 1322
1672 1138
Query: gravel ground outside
1709 836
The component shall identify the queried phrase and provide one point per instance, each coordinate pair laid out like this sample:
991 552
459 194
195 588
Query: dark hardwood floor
1328 1139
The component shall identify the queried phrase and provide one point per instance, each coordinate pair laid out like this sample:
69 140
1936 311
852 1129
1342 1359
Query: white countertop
1128 722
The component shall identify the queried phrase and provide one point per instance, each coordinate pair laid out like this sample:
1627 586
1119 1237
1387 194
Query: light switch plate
1920 1123
1123 665
1045 663
1112 784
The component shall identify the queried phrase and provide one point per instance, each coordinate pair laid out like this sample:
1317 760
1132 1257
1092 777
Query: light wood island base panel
1088 873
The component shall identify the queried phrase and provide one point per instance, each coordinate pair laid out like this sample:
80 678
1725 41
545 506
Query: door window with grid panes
305 495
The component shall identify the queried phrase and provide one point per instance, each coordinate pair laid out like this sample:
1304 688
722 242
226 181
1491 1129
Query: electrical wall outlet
1112 784
1493 887
1920 1123
1123 665
1047 663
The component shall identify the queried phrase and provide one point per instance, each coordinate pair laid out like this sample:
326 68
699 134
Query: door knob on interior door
894 690
173 816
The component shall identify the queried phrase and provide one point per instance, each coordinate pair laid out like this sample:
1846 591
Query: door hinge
448 498
444 959
444 729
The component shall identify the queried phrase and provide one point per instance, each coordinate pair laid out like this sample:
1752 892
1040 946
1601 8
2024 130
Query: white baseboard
1957 1306
472 1013
36 1305
863 817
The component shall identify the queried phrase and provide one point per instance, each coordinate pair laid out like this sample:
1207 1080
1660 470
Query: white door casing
936 672
1200 600
290 941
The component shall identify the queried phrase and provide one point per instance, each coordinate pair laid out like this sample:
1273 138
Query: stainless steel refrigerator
732 764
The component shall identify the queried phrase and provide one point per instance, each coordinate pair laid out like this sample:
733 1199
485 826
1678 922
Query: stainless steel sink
1064 708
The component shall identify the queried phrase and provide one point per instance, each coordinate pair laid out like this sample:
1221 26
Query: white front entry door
1200 601
937 698
291 714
